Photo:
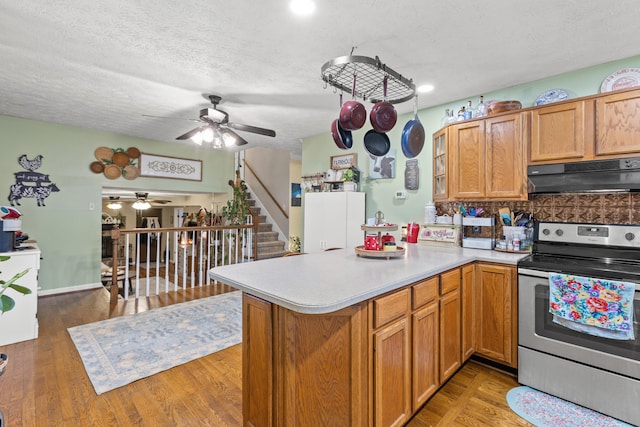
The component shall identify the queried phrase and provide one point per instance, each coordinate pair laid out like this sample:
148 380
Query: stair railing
273 199
182 256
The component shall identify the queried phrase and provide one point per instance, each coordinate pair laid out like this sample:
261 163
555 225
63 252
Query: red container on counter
412 232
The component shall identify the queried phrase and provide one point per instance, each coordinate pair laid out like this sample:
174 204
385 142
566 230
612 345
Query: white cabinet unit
21 323
333 220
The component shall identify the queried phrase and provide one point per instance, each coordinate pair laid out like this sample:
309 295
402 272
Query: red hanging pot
383 115
353 115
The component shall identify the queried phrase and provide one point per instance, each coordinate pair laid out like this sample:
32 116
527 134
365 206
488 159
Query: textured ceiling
105 65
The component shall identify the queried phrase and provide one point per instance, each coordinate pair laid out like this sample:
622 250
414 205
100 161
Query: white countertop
328 281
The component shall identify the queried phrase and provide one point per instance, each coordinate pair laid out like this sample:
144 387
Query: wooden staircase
269 245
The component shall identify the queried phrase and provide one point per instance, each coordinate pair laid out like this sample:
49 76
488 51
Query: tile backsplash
611 208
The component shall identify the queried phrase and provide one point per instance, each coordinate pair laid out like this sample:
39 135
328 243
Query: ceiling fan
142 201
217 128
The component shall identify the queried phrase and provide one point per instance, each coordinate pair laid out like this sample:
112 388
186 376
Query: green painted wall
317 150
67 230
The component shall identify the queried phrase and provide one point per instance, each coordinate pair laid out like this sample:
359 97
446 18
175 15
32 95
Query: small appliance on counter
8 230
478 233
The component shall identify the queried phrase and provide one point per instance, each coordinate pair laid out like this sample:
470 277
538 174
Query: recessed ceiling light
425 88
302 7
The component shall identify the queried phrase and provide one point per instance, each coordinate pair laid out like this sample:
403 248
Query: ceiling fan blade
190 133
215 115
252 129
171 118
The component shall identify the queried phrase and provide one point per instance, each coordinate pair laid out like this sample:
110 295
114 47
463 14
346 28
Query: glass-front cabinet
440 186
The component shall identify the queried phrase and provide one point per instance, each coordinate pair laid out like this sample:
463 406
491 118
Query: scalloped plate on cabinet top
553 95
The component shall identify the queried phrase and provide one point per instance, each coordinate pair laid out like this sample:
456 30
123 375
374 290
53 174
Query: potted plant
237 208
6 302
348 178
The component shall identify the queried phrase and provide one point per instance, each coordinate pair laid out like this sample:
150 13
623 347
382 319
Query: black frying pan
342 138
376 143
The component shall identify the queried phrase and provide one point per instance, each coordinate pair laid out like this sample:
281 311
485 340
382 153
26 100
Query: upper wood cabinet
599 127
440 165
561 132
487 159
467 160
618 124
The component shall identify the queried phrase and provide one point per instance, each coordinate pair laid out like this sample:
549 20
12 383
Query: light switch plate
400 194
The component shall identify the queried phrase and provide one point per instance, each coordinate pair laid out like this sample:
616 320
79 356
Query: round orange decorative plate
120 158
104 153
112 171
96 167
130 172
133 152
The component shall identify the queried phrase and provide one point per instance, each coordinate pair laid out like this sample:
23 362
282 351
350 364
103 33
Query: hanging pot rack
370 74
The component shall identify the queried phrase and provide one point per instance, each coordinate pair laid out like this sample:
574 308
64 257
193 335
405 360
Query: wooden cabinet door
468 309
392 374
467 149
618 124
440 165
450 358
425 353
561 132
257 362
496 313
505 166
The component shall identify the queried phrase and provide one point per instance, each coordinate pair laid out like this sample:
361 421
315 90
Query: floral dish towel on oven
593 306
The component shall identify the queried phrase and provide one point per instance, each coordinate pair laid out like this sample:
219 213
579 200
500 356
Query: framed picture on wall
384 166
155 166
344 161
296 194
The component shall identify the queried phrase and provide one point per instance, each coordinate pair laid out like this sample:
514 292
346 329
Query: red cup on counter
371 242
412 232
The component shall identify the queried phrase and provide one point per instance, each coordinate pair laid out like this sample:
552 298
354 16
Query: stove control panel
591 234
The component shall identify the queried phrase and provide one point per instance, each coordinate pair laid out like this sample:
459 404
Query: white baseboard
69 289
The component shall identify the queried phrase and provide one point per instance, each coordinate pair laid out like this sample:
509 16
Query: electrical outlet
400 194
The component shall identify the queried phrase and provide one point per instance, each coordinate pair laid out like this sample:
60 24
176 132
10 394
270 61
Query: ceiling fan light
302 7
197 138
229 139
141 205
114 203
207 135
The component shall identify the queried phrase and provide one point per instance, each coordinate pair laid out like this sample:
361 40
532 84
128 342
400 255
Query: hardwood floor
45 383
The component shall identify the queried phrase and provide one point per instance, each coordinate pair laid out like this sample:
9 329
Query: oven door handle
534 273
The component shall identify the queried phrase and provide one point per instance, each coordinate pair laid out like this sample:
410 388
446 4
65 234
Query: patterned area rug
118 351
544 410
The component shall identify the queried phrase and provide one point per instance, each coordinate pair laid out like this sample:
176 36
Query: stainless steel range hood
584 177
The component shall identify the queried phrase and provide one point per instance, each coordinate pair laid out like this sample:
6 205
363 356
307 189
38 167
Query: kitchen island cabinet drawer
424 292
449 281
390 307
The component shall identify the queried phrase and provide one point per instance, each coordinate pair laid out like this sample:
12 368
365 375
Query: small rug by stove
544 410
119 351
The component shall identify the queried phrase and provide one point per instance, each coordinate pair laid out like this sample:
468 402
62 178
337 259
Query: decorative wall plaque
156 166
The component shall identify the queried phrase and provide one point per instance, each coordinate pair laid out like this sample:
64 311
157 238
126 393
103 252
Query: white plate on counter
553 95
621 79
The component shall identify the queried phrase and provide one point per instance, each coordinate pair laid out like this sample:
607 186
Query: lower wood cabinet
392 374
302 369
374 363
450 357
496 311
415 350
468 308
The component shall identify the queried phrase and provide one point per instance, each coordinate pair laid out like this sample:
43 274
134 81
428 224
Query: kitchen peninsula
336 339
